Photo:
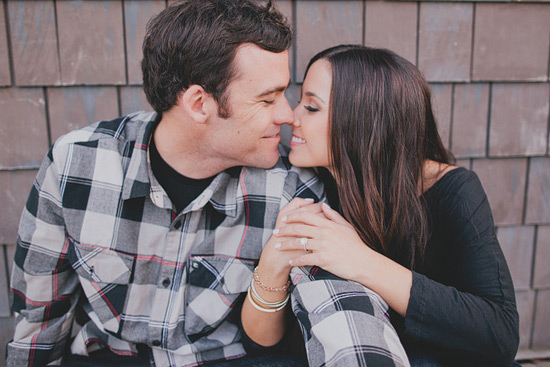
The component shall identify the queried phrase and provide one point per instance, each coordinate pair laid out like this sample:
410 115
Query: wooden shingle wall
65 64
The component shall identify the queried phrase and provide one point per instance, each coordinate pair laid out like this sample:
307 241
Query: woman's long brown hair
382 130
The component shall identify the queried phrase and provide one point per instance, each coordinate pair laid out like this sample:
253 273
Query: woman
408 225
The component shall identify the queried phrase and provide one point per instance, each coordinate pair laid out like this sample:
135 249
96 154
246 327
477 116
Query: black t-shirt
180 189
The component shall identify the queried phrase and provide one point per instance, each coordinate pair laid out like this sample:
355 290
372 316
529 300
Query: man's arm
343 323
44 289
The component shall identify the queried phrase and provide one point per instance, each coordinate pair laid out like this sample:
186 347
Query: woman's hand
274 263
331 242
273 271
334 245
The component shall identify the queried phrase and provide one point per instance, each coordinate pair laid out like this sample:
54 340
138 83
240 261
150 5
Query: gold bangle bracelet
263 309
259 298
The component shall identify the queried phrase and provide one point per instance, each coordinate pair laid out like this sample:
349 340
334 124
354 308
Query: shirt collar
136 181
221 193
139 180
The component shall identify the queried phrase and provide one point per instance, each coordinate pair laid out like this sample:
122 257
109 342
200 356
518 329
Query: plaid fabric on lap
344 323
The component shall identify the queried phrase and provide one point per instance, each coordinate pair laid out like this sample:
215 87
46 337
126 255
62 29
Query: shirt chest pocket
215 285
104 276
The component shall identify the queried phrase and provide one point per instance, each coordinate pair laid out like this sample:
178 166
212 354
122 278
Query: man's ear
196 102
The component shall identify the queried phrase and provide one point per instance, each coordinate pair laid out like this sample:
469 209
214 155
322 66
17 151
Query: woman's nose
296 117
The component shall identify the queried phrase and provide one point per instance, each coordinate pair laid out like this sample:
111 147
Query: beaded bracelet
264 302
260 308
266 287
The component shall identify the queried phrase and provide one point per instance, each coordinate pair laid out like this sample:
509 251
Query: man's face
258 108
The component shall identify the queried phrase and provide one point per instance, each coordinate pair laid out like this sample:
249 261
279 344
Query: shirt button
156 343
166 282
195 265
177 225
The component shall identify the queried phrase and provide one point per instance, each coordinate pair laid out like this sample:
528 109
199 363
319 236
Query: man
140 235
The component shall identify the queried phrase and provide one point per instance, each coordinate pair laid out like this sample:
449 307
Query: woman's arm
263 323
335 246
474 314
476 283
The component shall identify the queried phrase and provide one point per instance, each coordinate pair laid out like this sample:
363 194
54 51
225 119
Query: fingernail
309 199
326 205
276 231
284 219
278 245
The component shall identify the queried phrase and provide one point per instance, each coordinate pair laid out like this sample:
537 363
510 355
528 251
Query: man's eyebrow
311 94
273 90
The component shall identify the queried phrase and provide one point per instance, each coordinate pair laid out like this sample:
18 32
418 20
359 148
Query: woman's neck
432 172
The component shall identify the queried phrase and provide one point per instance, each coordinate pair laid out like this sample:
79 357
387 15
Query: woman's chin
297 162
294 160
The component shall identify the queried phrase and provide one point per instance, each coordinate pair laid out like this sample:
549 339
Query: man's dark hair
195 42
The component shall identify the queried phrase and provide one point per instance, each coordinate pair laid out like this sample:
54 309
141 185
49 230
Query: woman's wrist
388 279
257 301
273 267
269 288
271 284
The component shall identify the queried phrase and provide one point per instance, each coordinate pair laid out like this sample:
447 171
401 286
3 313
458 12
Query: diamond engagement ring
303 242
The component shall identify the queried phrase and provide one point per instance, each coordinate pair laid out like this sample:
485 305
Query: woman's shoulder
459 200
458 183
458 194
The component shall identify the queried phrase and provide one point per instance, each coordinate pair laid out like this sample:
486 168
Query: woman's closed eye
311 108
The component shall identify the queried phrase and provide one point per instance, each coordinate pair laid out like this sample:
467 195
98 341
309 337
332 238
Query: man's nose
283 113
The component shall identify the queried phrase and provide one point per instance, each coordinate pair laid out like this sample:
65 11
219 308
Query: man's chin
268 162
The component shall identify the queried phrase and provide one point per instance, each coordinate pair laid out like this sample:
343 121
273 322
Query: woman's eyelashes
310 108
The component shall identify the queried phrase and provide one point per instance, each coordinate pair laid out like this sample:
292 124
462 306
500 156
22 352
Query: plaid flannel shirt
100 244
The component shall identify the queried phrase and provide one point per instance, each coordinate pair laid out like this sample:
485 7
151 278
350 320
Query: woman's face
310 133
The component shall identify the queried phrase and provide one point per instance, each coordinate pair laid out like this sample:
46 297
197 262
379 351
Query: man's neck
181 146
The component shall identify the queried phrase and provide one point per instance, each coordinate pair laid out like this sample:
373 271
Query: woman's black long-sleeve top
462 306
